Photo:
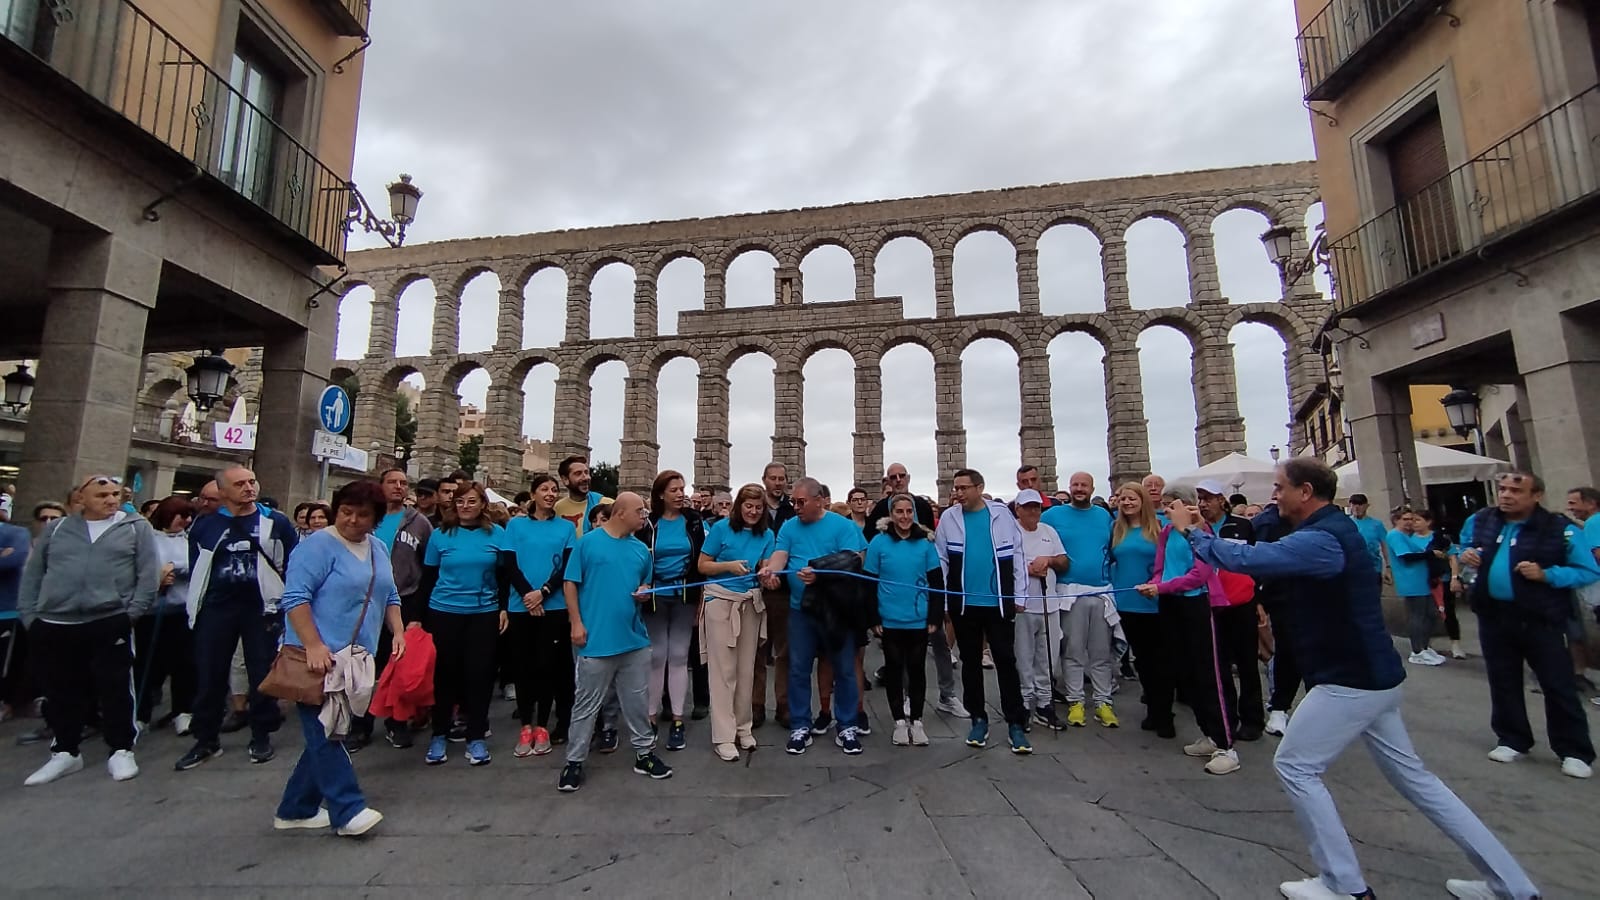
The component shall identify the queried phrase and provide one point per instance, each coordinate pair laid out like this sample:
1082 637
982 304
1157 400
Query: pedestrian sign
333 409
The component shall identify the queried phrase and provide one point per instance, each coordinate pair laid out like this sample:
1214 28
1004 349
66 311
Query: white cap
1212 486
1028 496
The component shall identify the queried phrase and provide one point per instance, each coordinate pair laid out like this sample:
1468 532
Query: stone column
1114 271
868 467
944 284
950 433
1038 431
788 286
1203 284
446 323
508 321
570 429
294 371
716 288
866 277
100 291
500 457
788 417
645 307
578 307
711 445
438 446
1219 429
374 419
1028 276
1559 359
1303 369
1379 413
1128 431
385 319
640 452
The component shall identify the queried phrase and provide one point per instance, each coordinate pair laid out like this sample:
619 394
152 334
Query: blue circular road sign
333 409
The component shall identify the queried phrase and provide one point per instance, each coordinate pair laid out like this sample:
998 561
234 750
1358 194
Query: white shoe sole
355 830
320 820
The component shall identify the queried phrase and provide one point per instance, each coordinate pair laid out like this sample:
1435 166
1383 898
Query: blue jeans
220 626
323 775
805 644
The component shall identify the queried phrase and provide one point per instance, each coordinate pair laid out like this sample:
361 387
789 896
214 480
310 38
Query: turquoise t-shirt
466 559
1133 560
1410 577
539 545
607 570
1086 536
1375 535
804 542
903 604
1591 530
1500 587
388 528
671 553
723 544
979 580
1179 559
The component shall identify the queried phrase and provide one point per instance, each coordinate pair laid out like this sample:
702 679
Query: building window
249 136
1419 169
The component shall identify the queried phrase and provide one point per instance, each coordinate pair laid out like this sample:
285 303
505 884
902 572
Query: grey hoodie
71 580
405 554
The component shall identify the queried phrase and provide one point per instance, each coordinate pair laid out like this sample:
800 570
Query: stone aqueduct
866 327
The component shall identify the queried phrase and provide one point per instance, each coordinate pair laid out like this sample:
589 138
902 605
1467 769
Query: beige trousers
731 630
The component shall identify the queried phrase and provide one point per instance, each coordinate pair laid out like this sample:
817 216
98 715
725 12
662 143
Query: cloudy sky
517 117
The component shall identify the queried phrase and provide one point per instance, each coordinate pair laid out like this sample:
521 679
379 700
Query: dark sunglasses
101 481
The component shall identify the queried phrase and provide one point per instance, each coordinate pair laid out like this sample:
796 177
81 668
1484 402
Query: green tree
603 478
405 427
467 454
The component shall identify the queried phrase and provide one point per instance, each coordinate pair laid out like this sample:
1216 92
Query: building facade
1458 153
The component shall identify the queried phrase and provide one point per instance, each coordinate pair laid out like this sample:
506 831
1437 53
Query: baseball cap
1212 486
1028 496
427 486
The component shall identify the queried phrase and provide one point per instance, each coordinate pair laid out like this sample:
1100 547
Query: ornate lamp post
208 379
18 388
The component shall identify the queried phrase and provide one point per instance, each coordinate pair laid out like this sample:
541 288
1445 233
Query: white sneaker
1223 762
1462 889
919 735
181 723
1277 722
902 734
60 764
1310 889
361 823
1594 701
1435 655
1202 748
1576 767
509 692
122 766
1423 659
320 820
1504 754
951 706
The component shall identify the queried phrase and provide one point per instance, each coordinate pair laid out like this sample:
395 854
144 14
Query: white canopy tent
1242 475
1439 465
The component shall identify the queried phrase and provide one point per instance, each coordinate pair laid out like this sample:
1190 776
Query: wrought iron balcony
348 17
1342 40
1547 168
114 56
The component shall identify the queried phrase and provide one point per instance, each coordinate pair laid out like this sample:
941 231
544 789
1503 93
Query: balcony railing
130 65
1348 33
1545 168
348 17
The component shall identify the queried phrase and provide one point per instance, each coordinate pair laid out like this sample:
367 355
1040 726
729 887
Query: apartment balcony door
248 135
1425 204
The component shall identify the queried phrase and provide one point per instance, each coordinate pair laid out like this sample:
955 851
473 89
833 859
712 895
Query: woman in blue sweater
1133 561
541 636
904 557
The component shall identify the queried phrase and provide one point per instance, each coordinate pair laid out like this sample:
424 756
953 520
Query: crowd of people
594 613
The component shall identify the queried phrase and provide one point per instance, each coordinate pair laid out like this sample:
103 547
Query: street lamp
1461 408
19 388
403 199
1275 452
1279 241
208 379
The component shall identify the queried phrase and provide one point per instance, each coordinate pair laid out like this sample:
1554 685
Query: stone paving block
1220 863
1152 877
1001 856
1075 829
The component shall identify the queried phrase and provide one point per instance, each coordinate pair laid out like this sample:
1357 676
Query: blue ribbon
677 587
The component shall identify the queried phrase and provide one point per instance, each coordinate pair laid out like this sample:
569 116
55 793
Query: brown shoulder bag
291 677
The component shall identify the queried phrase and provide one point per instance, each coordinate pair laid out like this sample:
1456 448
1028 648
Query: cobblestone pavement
1093 812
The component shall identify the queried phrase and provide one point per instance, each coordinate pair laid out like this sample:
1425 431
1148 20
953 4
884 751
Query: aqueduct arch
867 326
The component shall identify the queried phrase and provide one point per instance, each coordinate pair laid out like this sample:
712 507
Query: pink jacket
1200 575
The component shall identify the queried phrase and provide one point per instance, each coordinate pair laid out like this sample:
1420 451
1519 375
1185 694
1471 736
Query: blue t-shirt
326 574
723 544
1500 587
539 545
233 564
388 528
607 570
1410 577
1373 532
466 559
979 580
1133 561
1179 559
1591 530
804 542
671 553
903 604
1086 535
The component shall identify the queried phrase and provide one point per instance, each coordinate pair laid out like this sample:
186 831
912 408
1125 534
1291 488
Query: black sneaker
37 735
458 732
356 741
1249 733
261 751
823 723
234 721
571 778
198 754
847 741
651 765
1129 673
608 741
699 712
675 739
400 737
799 740
1057 697
758 717
1046 716
863 727
558 735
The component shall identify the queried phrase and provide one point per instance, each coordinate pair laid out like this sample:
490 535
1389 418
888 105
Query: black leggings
905 656
1191 636
542 668
464 672
1153 663
161 656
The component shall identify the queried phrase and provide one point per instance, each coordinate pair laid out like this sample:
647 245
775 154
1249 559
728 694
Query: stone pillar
640 452
294 371
1028 277
716 289
1128 431
866 278
711 445
1114 271
1303 369
1203 284
1559 359
508 321
570 430
950 433
374 420
1038 431
500 457
100 291
645 307
578 307
1219 429
869 425
446 323
438 446
788 417
944 283
788 286
385 319
1379 413
158 481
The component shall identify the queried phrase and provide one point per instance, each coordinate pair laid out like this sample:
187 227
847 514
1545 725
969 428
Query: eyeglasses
898 477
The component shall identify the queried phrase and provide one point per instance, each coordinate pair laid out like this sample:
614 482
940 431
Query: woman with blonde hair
1133 558
734 616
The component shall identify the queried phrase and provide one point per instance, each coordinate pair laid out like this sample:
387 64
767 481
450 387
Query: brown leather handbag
291 677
